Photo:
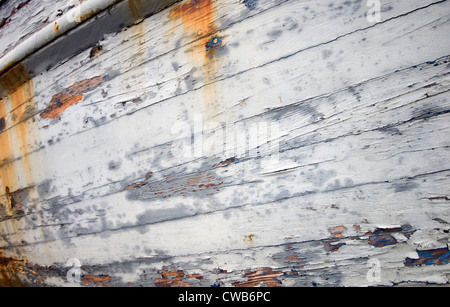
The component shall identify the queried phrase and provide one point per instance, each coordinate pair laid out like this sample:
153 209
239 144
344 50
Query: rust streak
15 141
198 21
17 168
197 17
10 272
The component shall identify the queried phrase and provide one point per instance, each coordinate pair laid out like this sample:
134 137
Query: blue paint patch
251 4
381 240
430 257
215 42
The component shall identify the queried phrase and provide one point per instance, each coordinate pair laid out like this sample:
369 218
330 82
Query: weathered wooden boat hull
225 143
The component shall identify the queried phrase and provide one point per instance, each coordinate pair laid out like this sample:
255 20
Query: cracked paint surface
69 97
359 176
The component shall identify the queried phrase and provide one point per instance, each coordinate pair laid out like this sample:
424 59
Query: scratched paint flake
430 257
70 96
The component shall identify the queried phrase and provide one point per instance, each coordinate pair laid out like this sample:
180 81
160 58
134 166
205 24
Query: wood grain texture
359 186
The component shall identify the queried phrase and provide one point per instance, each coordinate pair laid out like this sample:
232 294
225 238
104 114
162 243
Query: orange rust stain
15 140
261 276
9 272
198 20
56 27
83 17
197 17
69 97
98 281
17 168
